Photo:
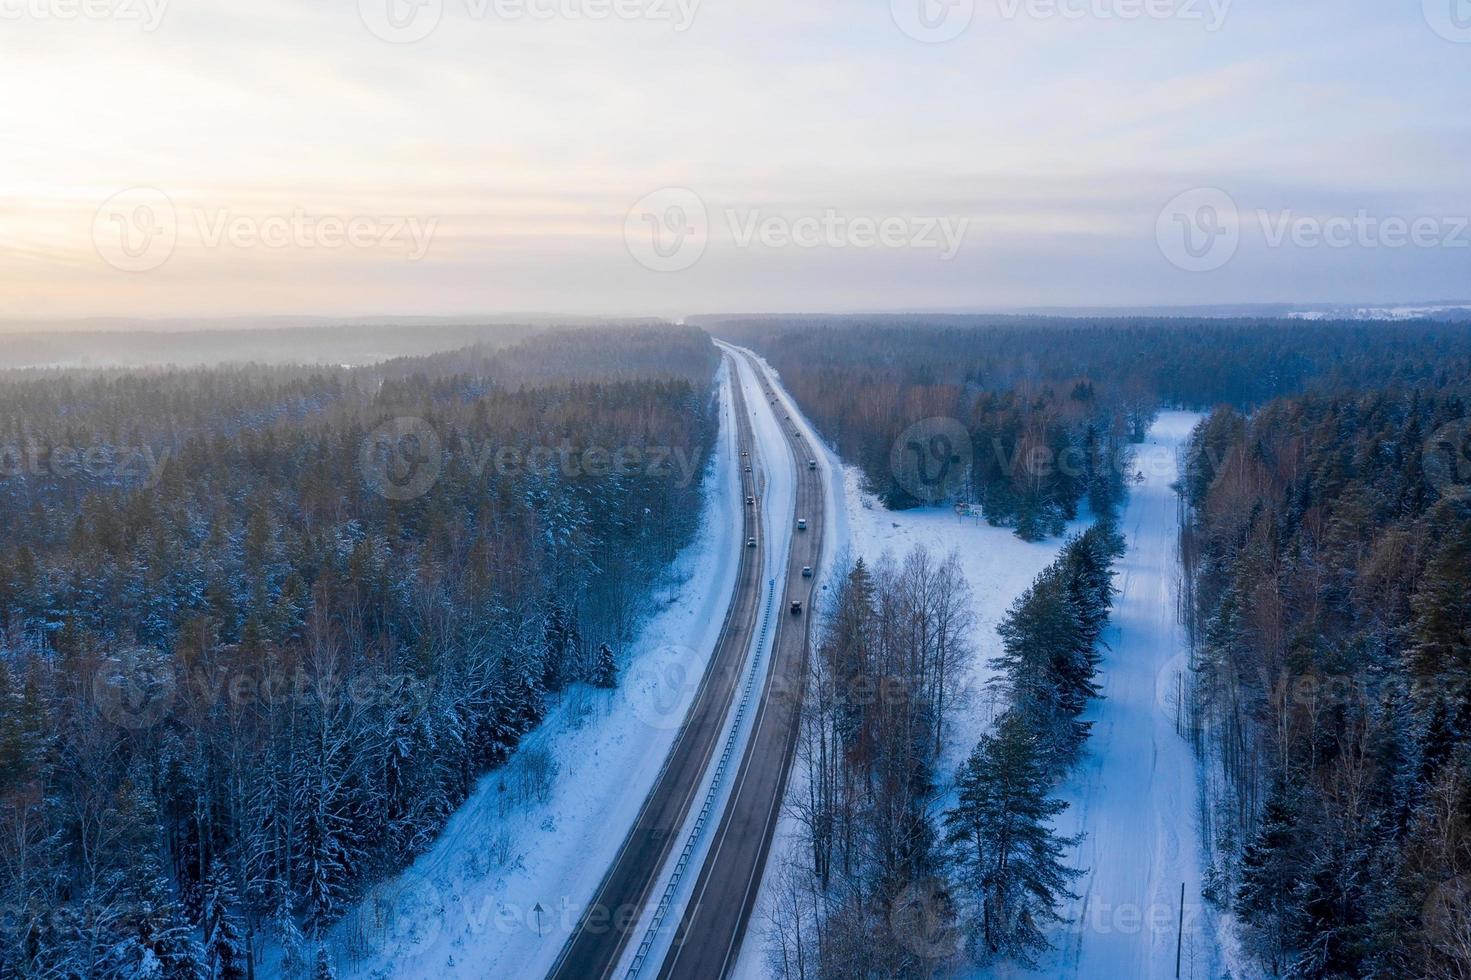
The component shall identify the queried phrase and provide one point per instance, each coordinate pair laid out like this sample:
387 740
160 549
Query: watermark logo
402 917
1446 459
136 230
401 459
409 21
932 459
834 230
667 230
147 14
933 21
401 21
136 688
1199 230
1210 13
661 686
1451 19
923 920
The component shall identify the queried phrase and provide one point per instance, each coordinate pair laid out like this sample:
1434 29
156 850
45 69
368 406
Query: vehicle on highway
796 607
806 571
750 501
750 542
812 464
801 523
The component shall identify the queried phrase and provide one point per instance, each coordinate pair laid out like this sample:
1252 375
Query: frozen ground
1134 793
467 907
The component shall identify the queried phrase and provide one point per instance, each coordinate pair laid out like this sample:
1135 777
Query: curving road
708 940
595 945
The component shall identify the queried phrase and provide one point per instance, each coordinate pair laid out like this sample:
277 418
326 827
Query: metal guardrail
708 808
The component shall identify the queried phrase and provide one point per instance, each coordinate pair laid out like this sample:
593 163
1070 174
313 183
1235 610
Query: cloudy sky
177 157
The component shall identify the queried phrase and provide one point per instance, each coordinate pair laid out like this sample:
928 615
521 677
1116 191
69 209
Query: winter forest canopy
253 653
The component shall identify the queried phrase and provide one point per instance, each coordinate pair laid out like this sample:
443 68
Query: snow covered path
1134 793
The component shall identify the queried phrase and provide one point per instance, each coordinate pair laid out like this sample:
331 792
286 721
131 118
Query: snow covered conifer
605 671
1007 858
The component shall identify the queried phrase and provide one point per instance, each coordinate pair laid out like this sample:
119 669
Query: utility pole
1180 931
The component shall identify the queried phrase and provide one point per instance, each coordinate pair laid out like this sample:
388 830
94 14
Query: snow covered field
1134 792
467 907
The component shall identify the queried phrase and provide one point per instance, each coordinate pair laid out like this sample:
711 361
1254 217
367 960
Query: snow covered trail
467 907
1134 792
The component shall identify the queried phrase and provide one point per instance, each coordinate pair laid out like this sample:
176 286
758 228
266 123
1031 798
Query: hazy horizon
669 158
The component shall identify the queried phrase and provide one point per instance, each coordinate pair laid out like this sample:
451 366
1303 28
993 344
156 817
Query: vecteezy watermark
1209 13
1446 459
141 686
131 465
401 459
931 459
923 920
138 230
408 21
147 14
835 230
933 21
135 230
1363 230
404 458
1199 230
669 229
1451 19
136 688
402 916
661 687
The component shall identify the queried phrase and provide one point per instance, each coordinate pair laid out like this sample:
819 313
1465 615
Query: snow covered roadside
751 965
467 908
997 564
776 478
1134 792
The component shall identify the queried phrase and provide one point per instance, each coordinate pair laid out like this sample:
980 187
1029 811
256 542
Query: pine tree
293 945
1441 629
323 968
1007 856
1271 869
224 941
1047 664
605 671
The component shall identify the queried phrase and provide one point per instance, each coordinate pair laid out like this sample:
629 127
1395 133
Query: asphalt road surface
595 946
708 941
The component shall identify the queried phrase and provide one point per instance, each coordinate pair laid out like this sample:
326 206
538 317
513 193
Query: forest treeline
905 871
1051 403
262 629
1329 550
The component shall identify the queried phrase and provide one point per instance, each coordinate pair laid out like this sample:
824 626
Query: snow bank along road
593 949
715 920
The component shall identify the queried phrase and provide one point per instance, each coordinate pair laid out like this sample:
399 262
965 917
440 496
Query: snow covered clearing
998 566
1135 791
542 831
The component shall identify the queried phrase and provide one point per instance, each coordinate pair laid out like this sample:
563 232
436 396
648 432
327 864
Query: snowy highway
717 915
